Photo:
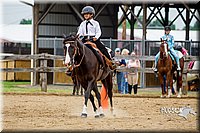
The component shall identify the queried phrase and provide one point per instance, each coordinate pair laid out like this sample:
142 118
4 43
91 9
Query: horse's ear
161 39
77 36
64 36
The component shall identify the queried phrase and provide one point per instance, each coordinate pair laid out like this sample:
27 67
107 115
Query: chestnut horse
167 68
88 71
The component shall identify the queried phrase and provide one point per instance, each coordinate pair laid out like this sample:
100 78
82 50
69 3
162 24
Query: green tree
26 21
196 26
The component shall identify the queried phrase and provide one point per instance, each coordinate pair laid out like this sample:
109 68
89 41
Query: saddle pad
180 55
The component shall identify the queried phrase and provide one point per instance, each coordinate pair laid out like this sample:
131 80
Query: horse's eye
64 47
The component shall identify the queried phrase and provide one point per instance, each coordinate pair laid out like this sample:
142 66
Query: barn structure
52 19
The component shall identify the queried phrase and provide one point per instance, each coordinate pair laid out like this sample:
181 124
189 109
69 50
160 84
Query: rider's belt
88 37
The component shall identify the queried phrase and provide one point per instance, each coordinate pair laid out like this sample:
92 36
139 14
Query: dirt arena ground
62 113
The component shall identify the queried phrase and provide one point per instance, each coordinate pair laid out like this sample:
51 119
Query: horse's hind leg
94 106
98 96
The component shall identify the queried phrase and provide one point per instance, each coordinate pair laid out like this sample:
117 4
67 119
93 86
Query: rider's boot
155 71
111 65
178 68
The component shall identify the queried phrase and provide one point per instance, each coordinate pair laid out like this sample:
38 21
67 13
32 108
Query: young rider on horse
170 41
89 30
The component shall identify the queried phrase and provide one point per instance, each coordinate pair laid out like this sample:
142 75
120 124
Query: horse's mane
70 37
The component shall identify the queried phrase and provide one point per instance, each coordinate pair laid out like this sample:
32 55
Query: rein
74 65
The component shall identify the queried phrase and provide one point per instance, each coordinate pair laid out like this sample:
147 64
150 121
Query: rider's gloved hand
81 37
94 39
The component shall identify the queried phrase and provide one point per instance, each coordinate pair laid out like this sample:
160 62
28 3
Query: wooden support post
184 84
124 24
35 42
43 76
132 23
143 64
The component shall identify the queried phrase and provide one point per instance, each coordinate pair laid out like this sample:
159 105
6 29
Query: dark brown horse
76 84
88 71
167 68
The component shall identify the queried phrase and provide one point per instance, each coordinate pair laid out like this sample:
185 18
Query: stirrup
155 70
178 69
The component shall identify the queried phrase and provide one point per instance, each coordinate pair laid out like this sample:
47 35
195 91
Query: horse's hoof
168 96
162 96
96 116
102 115
179 96
83 115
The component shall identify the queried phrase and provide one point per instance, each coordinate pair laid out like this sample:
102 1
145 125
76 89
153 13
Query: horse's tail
104 97
107 90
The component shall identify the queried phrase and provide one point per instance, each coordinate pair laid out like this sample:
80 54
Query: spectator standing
133 76
124 79
119 75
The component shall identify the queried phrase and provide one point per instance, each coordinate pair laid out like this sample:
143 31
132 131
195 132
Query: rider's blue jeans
173 52
119 81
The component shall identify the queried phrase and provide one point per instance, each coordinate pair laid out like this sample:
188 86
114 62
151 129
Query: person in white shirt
89 30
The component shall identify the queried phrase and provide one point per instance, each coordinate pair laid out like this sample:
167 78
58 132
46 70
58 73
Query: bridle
76 51
165 49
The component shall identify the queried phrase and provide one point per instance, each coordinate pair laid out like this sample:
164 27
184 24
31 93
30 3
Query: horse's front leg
87 95
170 83
161 84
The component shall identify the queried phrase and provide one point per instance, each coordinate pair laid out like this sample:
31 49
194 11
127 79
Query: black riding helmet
167 28
88 9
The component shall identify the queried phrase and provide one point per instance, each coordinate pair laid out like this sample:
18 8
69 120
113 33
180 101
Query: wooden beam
155 14
77 12
166 21
150 15
136 17
181 15
124 12
188 8
110 16
187 24
163 20
48 8
192 15
176 17
101 9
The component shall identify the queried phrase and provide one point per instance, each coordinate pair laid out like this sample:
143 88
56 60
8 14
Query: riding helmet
167 28
88 9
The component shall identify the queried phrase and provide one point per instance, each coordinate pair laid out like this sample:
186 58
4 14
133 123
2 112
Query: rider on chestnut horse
170 41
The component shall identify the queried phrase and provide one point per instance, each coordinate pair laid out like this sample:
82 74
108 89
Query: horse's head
70 48
164 49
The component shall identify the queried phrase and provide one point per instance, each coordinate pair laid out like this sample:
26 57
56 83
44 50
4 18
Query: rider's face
167 32
88 16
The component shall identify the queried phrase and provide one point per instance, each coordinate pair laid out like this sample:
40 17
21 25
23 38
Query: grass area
25 87
21 87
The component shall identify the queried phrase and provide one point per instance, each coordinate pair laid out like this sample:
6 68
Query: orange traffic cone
104 98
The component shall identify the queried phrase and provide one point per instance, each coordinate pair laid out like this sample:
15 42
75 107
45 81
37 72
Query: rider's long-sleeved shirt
170 40
89 28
